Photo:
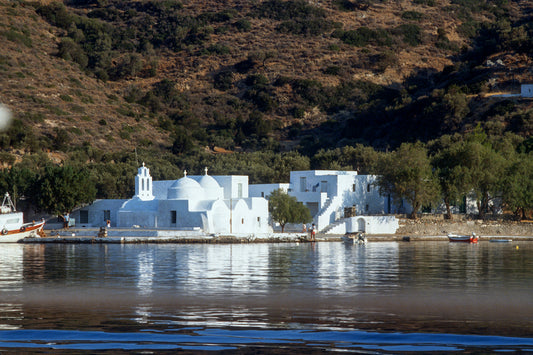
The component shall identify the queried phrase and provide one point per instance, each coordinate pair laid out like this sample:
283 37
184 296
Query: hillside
232 75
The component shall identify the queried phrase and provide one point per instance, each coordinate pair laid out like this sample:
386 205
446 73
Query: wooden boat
12 226
463 238
360 238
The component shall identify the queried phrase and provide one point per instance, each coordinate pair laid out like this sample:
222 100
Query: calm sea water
284 298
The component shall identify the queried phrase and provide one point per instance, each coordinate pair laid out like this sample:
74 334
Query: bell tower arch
143 184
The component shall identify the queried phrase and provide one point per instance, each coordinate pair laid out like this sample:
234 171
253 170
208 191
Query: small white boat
463 238
12 226
360 238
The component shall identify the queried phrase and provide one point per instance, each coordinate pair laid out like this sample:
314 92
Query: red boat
463 238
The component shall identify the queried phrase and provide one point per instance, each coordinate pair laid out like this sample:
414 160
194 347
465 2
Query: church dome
208 182
211 187
185 189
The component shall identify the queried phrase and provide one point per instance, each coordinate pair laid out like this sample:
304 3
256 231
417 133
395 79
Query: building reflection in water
11 281
359 268
237 284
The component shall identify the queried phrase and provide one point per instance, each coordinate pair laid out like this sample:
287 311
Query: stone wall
437 226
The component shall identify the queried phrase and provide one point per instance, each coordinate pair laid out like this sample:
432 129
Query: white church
212 204
339 201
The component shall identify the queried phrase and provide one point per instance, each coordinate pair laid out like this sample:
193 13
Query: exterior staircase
324 218
337 227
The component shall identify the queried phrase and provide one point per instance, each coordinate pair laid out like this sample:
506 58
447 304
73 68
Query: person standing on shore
66 219
313 232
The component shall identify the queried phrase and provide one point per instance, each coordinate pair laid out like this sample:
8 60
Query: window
262 194
107 215
303 184
368 188
173 217
84 216
366 208
242 221
353 188
239 190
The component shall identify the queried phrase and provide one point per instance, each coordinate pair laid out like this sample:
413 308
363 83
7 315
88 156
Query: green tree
483 169
18 181
286 209
517 186
450 175
61 189
359 157
406 174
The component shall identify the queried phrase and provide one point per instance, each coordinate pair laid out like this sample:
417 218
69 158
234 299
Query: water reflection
262 269
379 286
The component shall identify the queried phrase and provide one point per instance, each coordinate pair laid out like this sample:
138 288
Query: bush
61 139
332 70
224 80
217 48
311 90
345 5
242 25
298 112
306 27
424 2
364 36
17 37
71 51
412 15
412 34
288 10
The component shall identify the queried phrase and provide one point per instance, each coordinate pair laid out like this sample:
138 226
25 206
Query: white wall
96 213
264 190
230 184
526 90
332 191
372 224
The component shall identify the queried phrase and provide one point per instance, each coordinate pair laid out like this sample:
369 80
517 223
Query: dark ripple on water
283 340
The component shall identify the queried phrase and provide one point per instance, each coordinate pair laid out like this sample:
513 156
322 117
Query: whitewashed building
212 204
526 90
335 196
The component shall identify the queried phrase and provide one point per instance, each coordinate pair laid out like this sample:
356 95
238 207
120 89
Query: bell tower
143 184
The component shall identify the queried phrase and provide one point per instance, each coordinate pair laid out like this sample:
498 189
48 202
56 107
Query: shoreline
428 228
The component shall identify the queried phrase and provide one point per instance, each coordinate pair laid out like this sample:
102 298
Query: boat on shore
351 238
12 226
463 238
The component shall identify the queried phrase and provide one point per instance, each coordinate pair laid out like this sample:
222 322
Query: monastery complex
339 201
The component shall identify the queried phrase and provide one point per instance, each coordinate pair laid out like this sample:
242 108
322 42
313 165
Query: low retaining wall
442 227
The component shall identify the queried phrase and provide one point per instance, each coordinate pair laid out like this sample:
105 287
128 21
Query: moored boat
360 238
463 238
12 226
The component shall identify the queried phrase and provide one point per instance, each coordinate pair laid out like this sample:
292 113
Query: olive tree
61 189
406 174
517 185
286 209
450 173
